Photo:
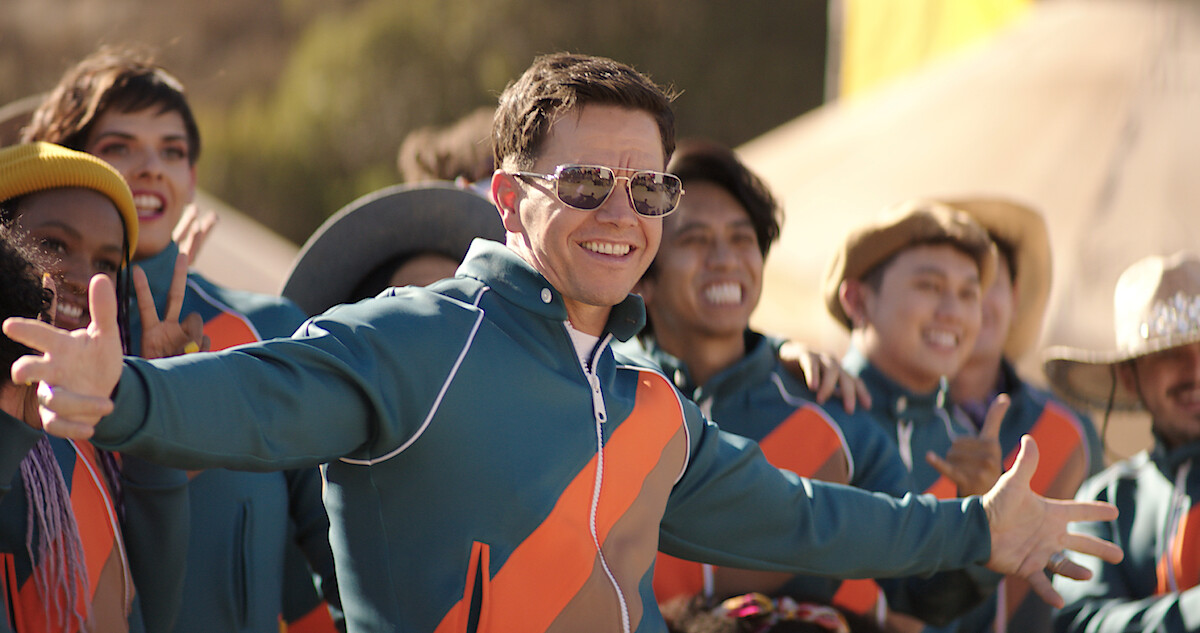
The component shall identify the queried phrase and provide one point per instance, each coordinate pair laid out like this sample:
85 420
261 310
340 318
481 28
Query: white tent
1088 110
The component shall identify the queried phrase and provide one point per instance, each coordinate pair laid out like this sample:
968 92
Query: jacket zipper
600 416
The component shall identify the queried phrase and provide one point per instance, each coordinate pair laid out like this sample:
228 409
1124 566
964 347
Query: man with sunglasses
492 464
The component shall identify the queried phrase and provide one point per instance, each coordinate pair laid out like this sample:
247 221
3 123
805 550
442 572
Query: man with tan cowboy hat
1155 367
908 286
1013 307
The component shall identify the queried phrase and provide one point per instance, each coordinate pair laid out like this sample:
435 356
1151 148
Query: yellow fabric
34 167
882 39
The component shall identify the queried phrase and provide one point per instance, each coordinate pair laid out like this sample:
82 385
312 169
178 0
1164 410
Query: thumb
102 302
1026 464
995 417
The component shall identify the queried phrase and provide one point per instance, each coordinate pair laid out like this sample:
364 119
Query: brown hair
463 149
118 78
560 82
704 161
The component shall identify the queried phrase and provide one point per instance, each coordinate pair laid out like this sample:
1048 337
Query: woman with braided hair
89 541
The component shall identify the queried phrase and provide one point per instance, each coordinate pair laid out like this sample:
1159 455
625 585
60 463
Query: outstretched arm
1027 529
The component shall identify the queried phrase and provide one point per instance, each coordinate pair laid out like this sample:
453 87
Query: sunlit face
151 151
593 258
422 270
922 322
1169 386
707 276
81 232
998 304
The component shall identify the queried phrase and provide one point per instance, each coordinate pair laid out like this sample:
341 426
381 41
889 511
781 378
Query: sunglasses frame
556 178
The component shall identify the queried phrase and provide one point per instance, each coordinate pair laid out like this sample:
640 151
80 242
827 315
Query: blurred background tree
303 103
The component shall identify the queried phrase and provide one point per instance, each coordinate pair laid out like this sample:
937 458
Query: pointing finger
995 417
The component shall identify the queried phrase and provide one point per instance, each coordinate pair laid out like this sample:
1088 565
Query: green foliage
303 104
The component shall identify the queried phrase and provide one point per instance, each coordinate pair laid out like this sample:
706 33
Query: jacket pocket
470 615
242 563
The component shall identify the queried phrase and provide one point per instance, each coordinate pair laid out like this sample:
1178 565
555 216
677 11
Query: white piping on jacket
437 401
798 402
224 308
1177 499
98 481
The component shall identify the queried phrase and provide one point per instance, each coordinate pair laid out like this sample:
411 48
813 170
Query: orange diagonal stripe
562 542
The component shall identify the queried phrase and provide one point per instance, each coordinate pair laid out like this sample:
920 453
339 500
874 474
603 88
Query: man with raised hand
492 466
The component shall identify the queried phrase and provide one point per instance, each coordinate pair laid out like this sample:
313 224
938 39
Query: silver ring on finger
1055 563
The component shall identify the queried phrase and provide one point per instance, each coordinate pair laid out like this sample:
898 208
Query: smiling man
492 464
1154 367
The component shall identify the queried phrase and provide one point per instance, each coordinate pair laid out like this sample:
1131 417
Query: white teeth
70 310
942 338
607 248
146 203
727 293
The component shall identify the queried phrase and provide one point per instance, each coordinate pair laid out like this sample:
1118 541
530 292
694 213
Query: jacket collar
888 396
1169 461
517 282
759 360
159 269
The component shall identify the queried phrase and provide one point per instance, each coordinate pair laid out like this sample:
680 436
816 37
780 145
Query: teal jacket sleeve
156 524
340 387
731 507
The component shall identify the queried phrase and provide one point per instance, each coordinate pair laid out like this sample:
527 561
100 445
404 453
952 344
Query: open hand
1028 529
78 370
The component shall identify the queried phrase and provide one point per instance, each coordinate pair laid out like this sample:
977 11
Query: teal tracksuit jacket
138 534
919 423
759 399
1070 452
1155 588
240 532
481 478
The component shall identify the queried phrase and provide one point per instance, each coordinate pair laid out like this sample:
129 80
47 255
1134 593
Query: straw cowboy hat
1024 230
1156 306
903 225
383 225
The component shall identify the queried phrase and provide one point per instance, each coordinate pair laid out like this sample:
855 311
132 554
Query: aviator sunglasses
653 194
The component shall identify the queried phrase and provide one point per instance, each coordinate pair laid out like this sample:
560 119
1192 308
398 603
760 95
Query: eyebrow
130 137
76 233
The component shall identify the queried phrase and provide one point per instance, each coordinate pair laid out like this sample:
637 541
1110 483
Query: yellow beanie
39 166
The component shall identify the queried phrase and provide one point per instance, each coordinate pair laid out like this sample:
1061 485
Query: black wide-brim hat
383 225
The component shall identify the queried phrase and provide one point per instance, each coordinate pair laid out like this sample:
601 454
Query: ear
645 287
855 298
506 196
1126 376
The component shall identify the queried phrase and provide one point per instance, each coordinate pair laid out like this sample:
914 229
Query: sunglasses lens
655 194
584 187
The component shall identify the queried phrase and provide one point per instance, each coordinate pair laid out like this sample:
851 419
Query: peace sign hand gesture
169 336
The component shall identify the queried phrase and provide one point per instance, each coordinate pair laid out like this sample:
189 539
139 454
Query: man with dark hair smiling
492 464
